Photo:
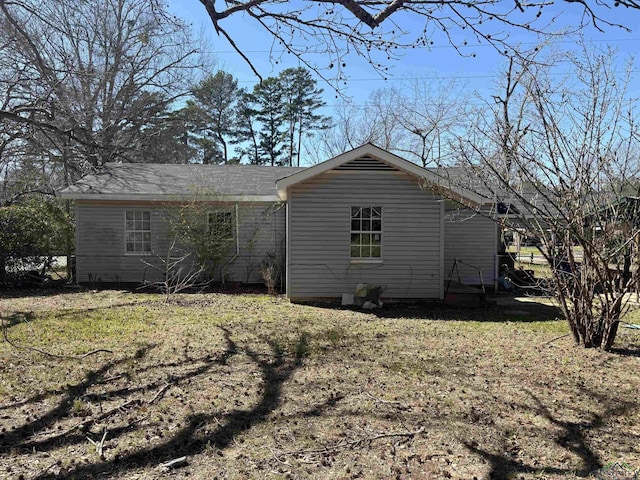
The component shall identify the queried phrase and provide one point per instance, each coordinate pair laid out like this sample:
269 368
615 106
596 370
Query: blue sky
476 77
438 62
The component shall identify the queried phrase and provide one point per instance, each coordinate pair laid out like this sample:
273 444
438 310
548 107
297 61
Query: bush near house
30 234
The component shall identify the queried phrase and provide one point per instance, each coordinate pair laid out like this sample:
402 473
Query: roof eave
138 197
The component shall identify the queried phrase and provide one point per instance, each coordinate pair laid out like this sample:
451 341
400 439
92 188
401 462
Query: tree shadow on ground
516 310
627 351
19 437
42 291
275 369
632 343
572 436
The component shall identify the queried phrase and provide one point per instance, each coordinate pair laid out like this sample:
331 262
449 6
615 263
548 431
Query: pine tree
303 99
210 115
270 111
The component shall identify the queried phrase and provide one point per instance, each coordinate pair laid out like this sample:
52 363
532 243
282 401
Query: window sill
138 254
366 261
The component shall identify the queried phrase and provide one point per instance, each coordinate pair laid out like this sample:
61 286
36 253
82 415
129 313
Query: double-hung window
366 233
137 231
221 225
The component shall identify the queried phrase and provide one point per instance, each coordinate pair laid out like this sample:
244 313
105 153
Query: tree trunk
610 336
299 143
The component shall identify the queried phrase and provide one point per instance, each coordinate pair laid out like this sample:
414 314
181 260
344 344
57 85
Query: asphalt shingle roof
166 180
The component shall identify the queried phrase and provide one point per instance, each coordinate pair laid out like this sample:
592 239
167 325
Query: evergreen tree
166 140
209 115
245 133
270 111
302 101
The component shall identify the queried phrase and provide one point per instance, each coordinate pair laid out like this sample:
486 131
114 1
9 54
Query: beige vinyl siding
101 256
473 239
319 243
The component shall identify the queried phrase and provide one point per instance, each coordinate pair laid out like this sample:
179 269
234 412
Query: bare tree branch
337 28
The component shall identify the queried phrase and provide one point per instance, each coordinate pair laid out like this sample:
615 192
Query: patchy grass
250 386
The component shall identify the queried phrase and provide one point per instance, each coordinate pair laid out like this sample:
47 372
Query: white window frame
367 235
138 231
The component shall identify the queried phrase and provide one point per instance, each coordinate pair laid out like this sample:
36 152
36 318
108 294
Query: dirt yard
249 386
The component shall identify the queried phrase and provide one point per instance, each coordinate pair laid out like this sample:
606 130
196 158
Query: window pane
137 231
366 232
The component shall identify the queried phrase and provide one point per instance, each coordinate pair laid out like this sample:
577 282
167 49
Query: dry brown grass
250 386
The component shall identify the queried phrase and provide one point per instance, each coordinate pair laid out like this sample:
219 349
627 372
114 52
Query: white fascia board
168 198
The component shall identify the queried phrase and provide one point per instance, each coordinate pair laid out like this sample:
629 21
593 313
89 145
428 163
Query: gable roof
371 157
166 182
152 181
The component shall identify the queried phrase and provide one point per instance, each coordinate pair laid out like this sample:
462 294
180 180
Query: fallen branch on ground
120 407
554 339
44 352
353 443
158 394
175 463
388 402
99 445
102 416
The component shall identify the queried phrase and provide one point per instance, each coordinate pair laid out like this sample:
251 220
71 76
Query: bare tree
349 131
429 112
90 85
565 170
379 31
375 121
177 271
416 122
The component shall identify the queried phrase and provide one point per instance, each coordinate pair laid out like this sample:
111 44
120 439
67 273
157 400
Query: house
366 216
